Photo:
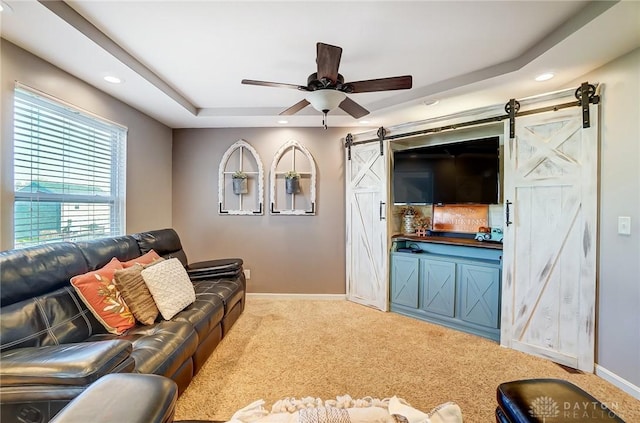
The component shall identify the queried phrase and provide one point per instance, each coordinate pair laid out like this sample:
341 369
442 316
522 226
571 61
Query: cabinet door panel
404 277
479 294
438 279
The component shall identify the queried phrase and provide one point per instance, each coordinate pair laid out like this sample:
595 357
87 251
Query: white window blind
69 172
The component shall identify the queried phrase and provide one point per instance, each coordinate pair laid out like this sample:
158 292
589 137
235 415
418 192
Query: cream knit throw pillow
170 287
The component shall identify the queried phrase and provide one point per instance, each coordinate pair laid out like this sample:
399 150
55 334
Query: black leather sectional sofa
52 347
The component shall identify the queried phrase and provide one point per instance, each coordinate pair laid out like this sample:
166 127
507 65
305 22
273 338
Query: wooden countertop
467 242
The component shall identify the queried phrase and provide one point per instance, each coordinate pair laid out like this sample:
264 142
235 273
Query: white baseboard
332 297
619 382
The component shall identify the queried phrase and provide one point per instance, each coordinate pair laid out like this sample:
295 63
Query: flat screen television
461 172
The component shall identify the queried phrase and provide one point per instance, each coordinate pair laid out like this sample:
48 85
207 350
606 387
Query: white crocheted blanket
345 409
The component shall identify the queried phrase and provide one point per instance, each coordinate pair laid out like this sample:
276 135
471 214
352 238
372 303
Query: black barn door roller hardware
585 94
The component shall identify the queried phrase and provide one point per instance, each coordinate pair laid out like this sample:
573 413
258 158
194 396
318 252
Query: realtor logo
544 407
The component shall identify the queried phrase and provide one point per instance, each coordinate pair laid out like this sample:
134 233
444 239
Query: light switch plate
624 225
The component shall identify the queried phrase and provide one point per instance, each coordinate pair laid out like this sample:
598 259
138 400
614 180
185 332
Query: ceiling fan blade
274 84
295 108
328 60
353 108
383 84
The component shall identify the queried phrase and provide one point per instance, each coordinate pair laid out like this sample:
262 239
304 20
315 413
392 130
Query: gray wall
618 330
149 189
285 254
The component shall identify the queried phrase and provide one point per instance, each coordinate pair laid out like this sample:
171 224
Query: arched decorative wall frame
302 203
250 203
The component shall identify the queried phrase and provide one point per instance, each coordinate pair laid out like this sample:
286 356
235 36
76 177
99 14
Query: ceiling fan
326 87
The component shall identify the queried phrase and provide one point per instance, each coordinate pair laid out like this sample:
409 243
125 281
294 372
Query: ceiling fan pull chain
324 119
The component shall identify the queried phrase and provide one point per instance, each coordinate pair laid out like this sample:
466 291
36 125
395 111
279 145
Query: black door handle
508 222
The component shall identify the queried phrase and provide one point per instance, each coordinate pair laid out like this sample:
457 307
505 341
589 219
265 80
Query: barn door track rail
585 95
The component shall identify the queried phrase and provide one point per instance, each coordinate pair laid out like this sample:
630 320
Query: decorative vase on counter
408 223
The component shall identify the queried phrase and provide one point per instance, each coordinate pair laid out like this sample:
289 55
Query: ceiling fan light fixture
326 89
325 100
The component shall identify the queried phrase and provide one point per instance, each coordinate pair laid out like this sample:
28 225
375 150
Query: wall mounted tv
461 172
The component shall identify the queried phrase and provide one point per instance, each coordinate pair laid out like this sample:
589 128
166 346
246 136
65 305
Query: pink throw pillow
98 291
143 260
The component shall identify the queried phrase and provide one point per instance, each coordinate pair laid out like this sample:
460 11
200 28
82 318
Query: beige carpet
297 348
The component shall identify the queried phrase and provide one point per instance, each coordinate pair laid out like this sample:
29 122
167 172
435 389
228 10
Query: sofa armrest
67 364
131 398
215 269
36 382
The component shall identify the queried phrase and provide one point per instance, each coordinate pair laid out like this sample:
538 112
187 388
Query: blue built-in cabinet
404 277
438 282
457 286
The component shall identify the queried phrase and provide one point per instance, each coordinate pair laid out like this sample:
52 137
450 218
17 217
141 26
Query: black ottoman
549 400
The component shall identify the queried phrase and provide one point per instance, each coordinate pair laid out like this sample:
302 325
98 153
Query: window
69 172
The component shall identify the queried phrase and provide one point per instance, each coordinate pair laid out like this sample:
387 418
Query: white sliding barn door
549 274
366 202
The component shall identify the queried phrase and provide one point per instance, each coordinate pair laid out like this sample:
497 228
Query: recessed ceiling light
364 122
431 102
112 79
544 77
283 122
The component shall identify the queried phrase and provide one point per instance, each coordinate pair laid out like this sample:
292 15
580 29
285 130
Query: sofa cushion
136 295
160 348
205 313
146 258
68 364
170 287
98 291
165 242
228 290
99 252
34 271
56 318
